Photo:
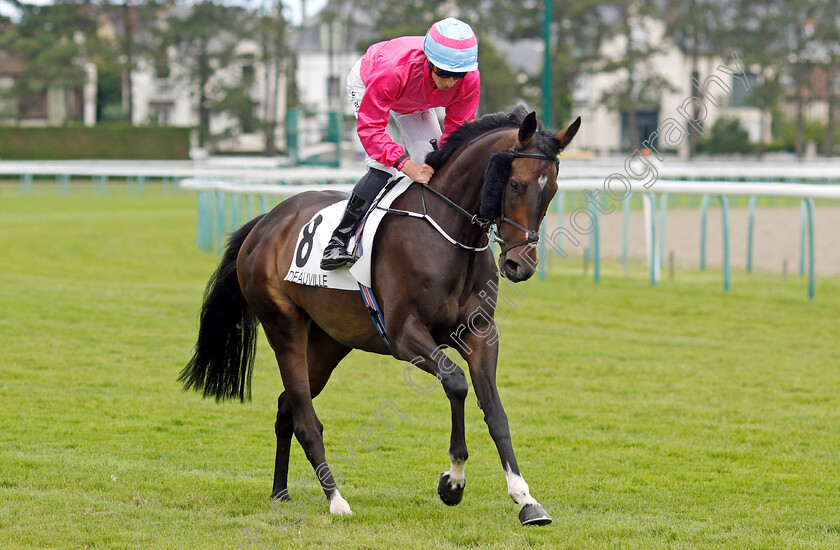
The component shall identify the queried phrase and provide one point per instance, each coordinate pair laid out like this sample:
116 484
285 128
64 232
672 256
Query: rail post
750 227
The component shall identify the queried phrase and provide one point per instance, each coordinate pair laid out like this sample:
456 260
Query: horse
502 166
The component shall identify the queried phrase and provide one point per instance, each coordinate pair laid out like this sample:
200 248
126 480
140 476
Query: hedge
98 142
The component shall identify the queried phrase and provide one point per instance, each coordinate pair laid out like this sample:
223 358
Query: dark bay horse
503 166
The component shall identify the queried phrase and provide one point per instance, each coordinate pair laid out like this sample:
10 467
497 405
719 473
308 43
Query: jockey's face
443 79
443 83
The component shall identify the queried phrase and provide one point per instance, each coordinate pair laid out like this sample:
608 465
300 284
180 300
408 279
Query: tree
640 88
727 137
828 34
760 40
206 39
268 29
499 86
500 89
579 31
801 22
51 41
271 33
699 27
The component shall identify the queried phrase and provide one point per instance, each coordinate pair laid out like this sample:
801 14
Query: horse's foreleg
482 363
416 345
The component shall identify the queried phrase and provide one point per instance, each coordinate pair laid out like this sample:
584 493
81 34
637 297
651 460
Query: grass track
667 417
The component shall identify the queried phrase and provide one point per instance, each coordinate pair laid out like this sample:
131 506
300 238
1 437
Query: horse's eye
517 187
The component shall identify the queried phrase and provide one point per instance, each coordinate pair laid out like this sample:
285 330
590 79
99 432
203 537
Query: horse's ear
526 131
565 136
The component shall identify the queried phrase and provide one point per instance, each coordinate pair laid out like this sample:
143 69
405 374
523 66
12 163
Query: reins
485 225
531 237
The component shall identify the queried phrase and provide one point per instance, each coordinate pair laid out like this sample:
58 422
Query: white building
325 52
605 131
174 101
322 62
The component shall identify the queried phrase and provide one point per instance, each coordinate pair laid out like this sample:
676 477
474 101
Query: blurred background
163 79
671 379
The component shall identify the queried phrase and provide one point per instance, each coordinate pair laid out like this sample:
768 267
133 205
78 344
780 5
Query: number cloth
306 269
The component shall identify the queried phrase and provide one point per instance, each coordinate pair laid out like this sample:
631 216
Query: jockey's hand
421 173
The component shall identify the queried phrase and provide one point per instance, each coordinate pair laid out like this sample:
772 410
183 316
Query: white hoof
339 506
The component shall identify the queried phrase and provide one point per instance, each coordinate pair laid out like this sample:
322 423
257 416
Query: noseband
531 237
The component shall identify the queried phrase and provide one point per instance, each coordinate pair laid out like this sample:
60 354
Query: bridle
531 237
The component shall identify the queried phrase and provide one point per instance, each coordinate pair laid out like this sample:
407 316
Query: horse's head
526 178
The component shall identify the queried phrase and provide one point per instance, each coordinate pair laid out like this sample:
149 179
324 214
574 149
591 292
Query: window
161 113
647 122
580 89
742 97
333 89
247 73
248 120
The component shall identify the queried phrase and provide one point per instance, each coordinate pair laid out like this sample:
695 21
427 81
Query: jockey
405 78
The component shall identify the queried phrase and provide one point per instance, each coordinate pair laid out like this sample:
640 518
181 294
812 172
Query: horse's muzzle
515 271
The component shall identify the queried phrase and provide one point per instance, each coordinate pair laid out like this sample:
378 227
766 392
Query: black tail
227 335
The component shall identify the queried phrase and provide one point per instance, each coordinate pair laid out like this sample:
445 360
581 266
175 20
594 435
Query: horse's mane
545 141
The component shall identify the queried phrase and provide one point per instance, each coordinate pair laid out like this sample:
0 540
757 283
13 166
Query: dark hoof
449 495
533 514
281 495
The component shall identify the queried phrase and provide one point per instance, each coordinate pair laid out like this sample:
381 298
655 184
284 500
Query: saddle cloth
305 268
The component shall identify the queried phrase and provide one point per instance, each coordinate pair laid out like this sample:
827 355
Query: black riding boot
336 253
367 188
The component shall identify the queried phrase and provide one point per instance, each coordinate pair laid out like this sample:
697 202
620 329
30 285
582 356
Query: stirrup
336 255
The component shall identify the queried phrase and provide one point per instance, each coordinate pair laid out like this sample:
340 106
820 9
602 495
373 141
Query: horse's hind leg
285 329
322 355
283 431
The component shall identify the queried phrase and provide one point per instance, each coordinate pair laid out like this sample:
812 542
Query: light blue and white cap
451 45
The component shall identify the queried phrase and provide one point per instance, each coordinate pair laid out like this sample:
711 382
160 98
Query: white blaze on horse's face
543 181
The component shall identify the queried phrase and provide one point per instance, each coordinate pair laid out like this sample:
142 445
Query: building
56 105
606 131
164 91
172 99
326 47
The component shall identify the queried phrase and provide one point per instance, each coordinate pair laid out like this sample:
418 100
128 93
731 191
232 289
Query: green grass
669 417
